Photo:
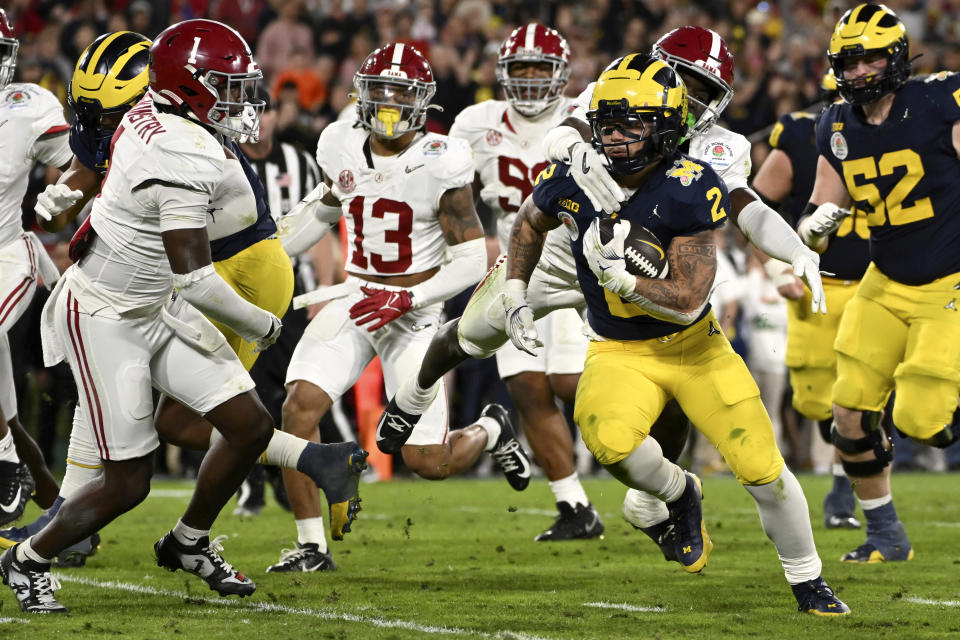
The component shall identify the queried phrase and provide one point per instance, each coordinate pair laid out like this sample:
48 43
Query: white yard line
939 603
321 614
624 607
21 620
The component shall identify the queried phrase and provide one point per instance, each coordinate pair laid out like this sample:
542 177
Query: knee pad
826 427
873 441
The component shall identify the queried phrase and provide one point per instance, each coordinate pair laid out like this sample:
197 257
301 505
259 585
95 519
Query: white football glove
271 336
821 223
56 199
806 265
518 317
590 173
606 260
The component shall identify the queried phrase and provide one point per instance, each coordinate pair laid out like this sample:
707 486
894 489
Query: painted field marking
939 603
21 620
624 607
322 614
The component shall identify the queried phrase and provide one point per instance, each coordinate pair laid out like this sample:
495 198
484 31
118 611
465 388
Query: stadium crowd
310 54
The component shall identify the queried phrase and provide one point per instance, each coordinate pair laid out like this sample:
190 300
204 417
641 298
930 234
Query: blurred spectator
243 15
310 81
282 38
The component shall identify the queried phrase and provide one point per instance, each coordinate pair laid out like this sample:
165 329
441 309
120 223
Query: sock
25 552
841 483
492 427
188 536
646 469
880 514
569 490
311 530
786 521
283 450
75 476
37 525
412 398
643 510
8 452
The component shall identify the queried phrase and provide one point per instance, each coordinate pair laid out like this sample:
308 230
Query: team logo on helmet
346 181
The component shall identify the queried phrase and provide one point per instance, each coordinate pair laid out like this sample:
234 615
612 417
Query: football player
655 338
113 318
786 177
408 200
505 136
891 149
32 129
110 77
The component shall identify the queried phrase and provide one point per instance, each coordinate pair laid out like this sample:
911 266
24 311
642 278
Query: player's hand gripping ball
642 251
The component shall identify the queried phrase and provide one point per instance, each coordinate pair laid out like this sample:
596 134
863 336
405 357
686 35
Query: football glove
518 317
821 223
264 343
56 199
380 305
606 260
806 266
590 173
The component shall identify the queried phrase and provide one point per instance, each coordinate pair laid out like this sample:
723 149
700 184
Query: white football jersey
164 170
32 129
390 203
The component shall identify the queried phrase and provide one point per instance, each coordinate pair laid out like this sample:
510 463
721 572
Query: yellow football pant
263 275
906 338
625 385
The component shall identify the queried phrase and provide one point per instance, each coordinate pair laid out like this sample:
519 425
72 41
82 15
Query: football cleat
76 555
580 522
32 583
203 559
692 544
888 545
663 534
816 597
16 487
838 511
250 497
304 558
336 469
394 428
507 452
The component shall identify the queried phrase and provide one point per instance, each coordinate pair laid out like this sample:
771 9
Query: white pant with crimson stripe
117 360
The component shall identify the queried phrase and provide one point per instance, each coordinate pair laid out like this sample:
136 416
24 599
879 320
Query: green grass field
457 560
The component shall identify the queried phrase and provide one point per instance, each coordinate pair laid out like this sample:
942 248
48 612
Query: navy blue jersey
848 253
91 151
904 173
681 197
264 227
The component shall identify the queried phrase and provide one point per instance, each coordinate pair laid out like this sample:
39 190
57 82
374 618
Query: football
644 254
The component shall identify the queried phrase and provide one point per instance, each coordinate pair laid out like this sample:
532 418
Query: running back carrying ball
643 253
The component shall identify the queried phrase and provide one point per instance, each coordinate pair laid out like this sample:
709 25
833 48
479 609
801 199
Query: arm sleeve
467 265
208 292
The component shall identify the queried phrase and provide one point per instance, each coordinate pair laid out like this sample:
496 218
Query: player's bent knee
609 438
759 470
303 407
874 441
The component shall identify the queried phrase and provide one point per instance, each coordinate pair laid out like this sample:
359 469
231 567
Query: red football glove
380 304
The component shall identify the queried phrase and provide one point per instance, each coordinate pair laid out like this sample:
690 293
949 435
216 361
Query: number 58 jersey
904 173
391 202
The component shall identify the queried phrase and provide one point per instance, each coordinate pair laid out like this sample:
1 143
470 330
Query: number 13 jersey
391 202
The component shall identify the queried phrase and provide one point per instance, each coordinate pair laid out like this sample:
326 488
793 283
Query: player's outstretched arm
309 220
61 202
826 209
569 143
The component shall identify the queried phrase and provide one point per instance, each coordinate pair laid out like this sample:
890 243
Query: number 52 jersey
905 174
391 202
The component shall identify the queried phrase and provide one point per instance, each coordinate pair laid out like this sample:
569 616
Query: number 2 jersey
391 202
904 173
681 197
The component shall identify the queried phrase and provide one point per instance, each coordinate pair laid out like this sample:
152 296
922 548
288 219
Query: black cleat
336 469
31 582
394 428
816 597
250 498
16 487
692 544
838 508
305 558
76 555
507 452
663 534
580 522
203 559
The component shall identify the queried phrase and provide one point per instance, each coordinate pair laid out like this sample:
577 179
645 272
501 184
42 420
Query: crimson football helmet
205 69
394 86
703 54
534 43
9 45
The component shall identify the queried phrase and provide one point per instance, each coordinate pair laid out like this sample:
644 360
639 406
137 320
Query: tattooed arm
526 240
682 297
